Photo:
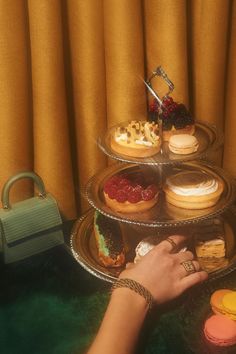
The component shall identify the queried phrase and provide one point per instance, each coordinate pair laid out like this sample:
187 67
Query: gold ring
172 242
189 267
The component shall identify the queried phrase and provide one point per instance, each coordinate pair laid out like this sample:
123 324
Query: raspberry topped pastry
136 139
175 117
130 193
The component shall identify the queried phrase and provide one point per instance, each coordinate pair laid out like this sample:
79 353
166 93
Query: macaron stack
220 328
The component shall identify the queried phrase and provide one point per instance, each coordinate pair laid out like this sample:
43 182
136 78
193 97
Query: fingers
189 267
184 256
172 242
193 279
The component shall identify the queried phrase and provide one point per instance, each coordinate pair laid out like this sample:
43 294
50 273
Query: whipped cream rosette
193 189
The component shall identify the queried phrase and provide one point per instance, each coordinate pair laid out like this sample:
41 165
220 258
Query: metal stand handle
159 72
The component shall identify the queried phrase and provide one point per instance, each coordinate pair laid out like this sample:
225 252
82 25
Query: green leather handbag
30 226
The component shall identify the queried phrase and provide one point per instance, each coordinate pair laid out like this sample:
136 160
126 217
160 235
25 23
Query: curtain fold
124 54
16 140
71 69
86 44
166 44
52 156
229 161
211 20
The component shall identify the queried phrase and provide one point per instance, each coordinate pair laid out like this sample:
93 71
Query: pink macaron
220 330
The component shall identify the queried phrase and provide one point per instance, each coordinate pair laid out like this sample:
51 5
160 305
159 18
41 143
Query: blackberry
153 116
166 124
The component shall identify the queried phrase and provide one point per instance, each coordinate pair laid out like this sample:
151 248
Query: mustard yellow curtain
70 69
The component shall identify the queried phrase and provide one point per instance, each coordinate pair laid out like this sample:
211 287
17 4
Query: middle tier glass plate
162 214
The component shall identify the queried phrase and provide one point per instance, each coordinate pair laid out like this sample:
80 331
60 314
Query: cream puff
136 139
146 245
193 189
130 193
183 144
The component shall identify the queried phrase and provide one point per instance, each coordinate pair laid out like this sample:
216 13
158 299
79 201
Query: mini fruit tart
130 193
136 139
175 118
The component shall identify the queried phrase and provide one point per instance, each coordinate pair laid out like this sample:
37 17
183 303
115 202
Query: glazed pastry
130 193
193 189
175 118
137 139
109 241
183 144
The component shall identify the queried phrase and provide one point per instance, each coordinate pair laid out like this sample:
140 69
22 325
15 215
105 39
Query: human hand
161 272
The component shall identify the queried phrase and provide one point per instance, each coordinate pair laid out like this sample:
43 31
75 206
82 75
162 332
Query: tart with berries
175 118
130 193
136 139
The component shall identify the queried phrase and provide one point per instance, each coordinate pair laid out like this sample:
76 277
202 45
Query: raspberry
116 179
128 188
112 192
134 196
147 194
123 182
167 101
107 186
153 106
121 196
153 187
138 188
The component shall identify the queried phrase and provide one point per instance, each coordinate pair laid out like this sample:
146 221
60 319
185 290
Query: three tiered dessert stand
162 220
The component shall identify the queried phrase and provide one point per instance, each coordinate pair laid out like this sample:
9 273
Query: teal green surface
49 304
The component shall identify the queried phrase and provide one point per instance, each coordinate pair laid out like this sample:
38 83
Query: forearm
121 325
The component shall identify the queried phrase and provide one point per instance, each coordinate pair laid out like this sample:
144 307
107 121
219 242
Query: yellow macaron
216 301
229 304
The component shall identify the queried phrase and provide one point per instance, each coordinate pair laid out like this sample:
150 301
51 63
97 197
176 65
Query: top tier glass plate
162 214
206 134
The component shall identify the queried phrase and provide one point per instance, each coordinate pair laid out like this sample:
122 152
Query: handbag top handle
6 189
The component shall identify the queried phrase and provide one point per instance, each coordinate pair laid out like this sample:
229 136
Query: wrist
135 287
130 300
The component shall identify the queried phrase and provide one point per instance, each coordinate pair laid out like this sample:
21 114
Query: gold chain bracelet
135 286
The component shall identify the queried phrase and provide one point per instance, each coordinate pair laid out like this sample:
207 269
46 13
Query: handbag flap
29 217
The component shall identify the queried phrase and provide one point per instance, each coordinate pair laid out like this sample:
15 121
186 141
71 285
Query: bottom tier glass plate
84 250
